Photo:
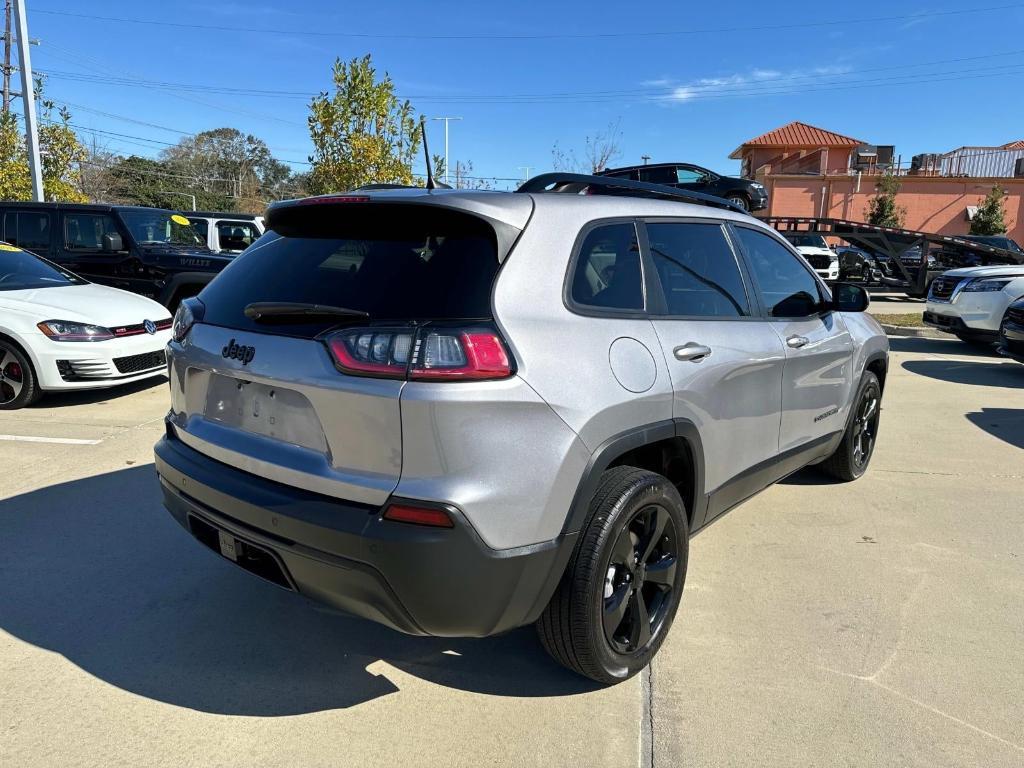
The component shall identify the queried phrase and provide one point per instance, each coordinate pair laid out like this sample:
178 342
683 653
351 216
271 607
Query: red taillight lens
430 353
380 352
406 513
461 354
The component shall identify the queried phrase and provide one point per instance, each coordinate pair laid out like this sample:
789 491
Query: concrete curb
919 333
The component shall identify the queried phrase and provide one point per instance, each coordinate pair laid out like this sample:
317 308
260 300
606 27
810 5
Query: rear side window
236 235
663 175
787 288
607 273
85 231
698 270
28 229
394 262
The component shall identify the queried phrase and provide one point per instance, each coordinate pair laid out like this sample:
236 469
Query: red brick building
810 171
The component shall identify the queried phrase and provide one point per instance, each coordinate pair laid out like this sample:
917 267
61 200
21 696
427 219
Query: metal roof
797 134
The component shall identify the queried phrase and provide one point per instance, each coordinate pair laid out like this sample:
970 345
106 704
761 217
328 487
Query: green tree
143 181
60 154
990 218
882 210
362 133
235 169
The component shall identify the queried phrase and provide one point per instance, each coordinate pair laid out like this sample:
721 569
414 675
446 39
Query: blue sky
682 81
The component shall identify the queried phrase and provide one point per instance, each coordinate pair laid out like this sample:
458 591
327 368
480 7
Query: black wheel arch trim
617 445
180 279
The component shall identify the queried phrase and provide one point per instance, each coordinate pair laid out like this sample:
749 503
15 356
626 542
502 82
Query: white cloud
771 80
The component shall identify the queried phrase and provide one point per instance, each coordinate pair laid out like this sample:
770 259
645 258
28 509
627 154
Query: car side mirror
847 297
112 242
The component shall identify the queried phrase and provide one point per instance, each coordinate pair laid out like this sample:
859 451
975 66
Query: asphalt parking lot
875 623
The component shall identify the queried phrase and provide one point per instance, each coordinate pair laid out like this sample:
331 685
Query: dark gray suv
456 413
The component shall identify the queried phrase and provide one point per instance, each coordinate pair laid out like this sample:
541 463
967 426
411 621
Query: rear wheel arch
671 448
878 364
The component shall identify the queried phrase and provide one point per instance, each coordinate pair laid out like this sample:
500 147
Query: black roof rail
575 183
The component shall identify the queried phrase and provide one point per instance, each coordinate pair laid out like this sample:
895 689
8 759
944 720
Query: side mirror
112 242
847 297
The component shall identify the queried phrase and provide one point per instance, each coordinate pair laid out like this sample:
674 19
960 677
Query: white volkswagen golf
60 332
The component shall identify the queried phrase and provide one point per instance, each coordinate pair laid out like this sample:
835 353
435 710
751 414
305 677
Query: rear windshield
422 264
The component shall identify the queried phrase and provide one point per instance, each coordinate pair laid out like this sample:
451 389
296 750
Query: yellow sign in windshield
178 219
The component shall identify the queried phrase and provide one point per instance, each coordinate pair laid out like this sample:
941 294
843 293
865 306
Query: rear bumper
418 580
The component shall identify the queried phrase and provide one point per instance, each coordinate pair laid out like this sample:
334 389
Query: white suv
970 302
823 259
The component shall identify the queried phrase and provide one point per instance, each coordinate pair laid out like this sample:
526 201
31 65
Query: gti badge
233 351
150 326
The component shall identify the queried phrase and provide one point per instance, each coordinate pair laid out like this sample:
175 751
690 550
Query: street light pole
29 95
645 158
526 170
446 121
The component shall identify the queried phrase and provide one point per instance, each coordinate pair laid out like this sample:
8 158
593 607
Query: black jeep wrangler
149 251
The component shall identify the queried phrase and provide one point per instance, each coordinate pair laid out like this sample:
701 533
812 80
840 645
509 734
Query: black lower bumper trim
415 579
952 324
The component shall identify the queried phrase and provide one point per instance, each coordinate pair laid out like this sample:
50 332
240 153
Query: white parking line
58 440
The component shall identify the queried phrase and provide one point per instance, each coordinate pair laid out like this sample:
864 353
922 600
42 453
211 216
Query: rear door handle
692 352
797 341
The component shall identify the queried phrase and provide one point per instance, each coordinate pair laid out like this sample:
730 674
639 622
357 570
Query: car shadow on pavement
60 399
944 346
982 373
97 571
1005 423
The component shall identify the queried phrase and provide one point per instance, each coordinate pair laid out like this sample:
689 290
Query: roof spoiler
578 183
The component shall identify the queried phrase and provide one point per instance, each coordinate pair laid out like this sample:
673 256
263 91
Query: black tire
741 200
18 384
599 588
853 455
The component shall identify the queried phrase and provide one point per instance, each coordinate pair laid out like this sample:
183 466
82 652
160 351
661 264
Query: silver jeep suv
457 413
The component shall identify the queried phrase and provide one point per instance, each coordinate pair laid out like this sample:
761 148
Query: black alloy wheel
621 589
850 460
865 426
640 579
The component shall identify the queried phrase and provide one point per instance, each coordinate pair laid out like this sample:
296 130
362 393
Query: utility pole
7 56
645 158
29 95
446 121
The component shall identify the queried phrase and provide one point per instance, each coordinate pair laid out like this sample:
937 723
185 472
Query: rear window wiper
270 311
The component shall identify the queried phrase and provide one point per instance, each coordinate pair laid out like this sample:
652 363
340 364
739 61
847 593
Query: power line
713 86
165 23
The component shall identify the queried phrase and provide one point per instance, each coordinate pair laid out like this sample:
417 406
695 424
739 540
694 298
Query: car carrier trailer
950 252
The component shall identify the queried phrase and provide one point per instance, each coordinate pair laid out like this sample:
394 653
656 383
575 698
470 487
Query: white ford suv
970 302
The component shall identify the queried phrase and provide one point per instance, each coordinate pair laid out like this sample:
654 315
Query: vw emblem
150 326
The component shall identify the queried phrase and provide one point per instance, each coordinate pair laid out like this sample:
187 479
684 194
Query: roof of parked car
221 215
81 206
646 165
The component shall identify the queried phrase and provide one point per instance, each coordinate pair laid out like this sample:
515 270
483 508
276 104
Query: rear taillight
427 353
